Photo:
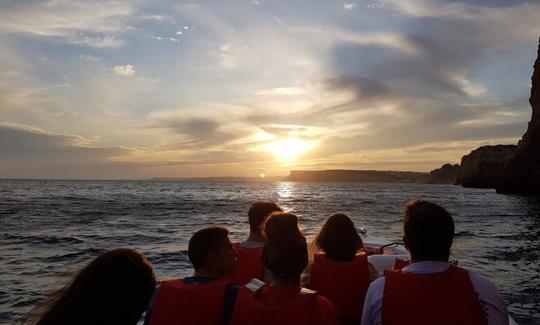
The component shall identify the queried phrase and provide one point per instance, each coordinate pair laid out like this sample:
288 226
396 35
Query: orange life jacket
438 298
198 303
249 265
298 307
343 283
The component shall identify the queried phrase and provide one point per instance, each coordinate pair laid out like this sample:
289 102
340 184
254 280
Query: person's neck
415 259
256 237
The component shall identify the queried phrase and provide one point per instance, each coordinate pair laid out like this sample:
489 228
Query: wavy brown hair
338 238
114 288
285 252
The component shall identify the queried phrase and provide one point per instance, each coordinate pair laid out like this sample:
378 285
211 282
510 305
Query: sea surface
50 229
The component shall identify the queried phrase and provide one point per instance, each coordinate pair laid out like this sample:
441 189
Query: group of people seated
275 277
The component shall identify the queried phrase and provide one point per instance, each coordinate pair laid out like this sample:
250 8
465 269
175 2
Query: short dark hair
338 238
428 230
258 212
203 243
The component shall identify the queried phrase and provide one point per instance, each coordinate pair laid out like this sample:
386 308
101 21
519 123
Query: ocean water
50 229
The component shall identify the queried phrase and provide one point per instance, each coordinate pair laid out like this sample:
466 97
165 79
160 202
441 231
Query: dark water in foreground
49 229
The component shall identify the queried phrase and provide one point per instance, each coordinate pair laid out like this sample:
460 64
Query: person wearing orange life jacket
249 251
282 300
430 290
339 269
202 298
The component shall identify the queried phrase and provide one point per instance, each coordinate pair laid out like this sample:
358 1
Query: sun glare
289 149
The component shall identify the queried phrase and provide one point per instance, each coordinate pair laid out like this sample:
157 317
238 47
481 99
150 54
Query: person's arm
491 300
371 314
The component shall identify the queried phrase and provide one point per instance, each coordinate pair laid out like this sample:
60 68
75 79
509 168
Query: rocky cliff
447 174
522 175
484 166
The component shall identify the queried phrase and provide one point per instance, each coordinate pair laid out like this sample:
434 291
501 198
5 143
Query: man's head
258 212
210 251
428 231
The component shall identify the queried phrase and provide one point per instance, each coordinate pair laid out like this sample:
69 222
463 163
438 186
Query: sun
289 149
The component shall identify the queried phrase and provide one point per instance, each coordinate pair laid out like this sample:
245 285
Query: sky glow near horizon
138 89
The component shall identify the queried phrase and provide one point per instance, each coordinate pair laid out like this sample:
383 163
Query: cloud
28 152
282 91
519 21
190 132
349 5
124 70
95 24
89 58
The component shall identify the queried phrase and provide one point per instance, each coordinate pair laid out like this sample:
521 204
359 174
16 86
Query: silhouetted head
428 231
338 238
285 251
258 212
211 252
113 289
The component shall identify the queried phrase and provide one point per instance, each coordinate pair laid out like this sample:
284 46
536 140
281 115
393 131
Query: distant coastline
336 175
360 176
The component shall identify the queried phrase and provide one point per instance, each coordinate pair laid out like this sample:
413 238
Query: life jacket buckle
255 284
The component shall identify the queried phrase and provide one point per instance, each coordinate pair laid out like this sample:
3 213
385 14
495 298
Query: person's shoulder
481 282
250 245
377 284
326 311
324 302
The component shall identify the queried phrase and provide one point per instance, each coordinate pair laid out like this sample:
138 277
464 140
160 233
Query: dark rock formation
366 176
447 174
485 165
522 175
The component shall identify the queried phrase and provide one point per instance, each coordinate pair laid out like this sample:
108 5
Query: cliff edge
522 174
483 167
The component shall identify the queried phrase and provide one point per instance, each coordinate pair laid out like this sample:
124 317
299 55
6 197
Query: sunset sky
139 89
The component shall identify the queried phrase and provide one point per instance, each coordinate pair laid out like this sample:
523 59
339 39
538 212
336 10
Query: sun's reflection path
285 190
288 195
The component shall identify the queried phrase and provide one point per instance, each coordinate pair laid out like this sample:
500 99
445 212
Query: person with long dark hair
282 300
340 270
114 289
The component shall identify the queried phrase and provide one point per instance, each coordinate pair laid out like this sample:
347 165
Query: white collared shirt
488 294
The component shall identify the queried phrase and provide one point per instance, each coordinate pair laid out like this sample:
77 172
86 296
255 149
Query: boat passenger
114 288
282 300
198 299
430 290
249 251
339 269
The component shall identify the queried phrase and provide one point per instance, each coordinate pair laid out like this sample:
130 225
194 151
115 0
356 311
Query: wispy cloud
124 70
349 5
95 24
